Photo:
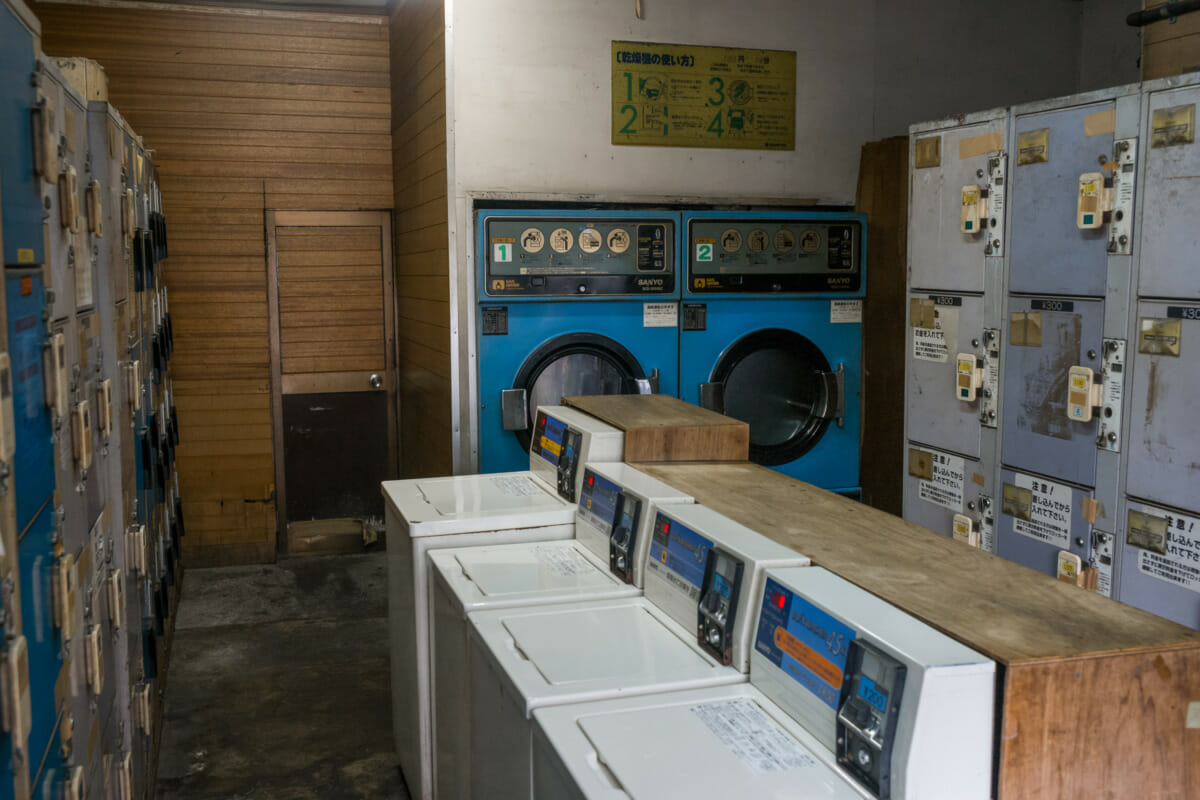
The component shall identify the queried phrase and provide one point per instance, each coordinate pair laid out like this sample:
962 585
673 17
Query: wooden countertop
1008 612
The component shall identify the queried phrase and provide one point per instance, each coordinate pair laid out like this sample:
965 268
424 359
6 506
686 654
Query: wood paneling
245 112
883 196
417 31
659 427
1095 693
1170 49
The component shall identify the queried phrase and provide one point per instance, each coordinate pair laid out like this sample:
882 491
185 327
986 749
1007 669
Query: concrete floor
278 684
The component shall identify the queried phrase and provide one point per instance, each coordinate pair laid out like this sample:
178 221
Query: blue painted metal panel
25 298
22 212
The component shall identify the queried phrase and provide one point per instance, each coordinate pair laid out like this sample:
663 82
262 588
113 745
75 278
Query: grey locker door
1164 423
1044 339
1170 236
942 257
1038 519
939 485
1167 584
936 416
1048 253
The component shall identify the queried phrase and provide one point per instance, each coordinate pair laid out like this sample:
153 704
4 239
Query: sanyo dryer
771 334
617 507
690 630
425 514
570 302
849 699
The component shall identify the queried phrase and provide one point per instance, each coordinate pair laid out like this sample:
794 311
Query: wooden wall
1170 49
418 46
883 197
245 112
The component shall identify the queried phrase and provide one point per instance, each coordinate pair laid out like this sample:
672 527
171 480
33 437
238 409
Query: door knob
376 380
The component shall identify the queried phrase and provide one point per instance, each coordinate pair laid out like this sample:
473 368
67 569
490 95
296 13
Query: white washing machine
691 629
424 514
617 507
849 698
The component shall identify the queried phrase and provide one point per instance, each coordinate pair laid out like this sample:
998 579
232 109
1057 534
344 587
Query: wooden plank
1041 618
659 427
1102 727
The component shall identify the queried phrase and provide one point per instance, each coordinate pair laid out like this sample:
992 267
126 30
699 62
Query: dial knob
714 637
621 563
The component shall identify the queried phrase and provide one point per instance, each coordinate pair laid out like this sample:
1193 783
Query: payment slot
1160 565
1162 401
1170 206
1072 197
1040 519
868 713
1047 337
951 495
957 201
953 373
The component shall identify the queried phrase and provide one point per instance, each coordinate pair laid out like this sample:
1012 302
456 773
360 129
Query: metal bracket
514 409
712 396
835 395
996 189
649 384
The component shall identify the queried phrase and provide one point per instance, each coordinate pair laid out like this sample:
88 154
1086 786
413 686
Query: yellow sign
671 95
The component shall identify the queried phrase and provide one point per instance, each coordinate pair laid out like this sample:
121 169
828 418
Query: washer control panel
867 714
574 255
718 604
622 544
568 463
804 255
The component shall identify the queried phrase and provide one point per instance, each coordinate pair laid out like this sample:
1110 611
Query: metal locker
942 328
953 171
1049 251
1163 444
1170 236
1044 339
1160 567
1039 518
950 495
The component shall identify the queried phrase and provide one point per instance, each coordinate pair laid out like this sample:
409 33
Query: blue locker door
22 207
1040 518
1045 338
1048 253
25 298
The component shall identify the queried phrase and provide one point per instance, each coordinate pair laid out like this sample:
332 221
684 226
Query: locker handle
127 226
45 148
1084 394
1095 201
968 377
95 210
514 409
974 210
68 199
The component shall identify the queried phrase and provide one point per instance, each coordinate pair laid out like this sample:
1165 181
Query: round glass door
775 380
575 364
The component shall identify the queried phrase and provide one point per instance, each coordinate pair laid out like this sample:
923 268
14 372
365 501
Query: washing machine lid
587 651
526 573
472 503
728 741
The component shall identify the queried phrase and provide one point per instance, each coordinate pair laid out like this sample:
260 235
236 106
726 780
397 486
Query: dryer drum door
572 364
782 385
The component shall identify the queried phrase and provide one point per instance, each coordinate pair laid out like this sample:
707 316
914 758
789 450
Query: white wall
529 98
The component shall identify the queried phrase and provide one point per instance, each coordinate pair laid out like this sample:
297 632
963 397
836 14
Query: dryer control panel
576 255
773 255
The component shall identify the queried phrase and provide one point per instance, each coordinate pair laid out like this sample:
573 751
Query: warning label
1180 565
1041 511
757 740
945 488
933 344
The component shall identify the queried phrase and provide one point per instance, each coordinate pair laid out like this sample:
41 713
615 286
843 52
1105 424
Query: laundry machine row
1038 409
754 313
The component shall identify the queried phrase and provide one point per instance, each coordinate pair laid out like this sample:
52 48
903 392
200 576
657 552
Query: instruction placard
945 488
562 559
1041 511
675 95
753 737
845 311
660 315
933 344
515 486
1180 565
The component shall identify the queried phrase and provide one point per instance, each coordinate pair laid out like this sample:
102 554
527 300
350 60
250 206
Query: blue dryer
570 302
771 334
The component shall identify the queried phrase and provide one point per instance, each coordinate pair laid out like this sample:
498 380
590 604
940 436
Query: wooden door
333 373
